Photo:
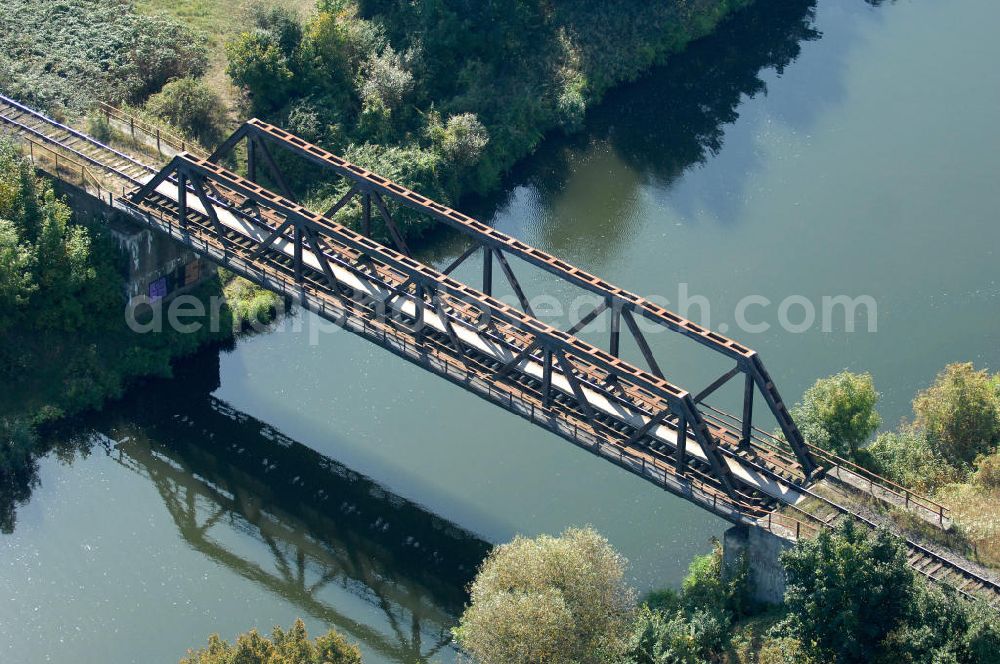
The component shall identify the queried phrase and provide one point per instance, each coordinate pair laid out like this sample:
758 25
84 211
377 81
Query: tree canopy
838 412
960 412
284 647
548 599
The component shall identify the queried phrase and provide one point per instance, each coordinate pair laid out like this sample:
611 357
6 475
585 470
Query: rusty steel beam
558 347
492 240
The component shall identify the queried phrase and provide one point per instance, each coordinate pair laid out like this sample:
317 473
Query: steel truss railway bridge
631 415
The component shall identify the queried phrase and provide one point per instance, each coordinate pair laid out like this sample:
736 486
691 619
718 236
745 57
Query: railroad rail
631 416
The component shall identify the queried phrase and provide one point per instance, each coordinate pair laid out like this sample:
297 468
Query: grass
251 305
976 511
218 21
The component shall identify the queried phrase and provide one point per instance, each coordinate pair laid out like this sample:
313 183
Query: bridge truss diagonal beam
623 303
594 383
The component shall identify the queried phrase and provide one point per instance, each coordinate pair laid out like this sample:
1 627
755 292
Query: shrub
658 638
251 305
961 413
16 280
291 647
66 53
99 127
548 599
410 166
942 627
193 107
783 650
838 413
907 458
258 65
846 591
987 473
705 587
384 81
462 139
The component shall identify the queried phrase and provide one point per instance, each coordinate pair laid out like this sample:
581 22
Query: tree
16 282
847 591
961 413
193 107
548 599
258 65
838 412
461 140
291 647
384 81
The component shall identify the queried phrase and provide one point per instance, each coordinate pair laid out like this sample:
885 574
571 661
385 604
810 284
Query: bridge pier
762 550
157 267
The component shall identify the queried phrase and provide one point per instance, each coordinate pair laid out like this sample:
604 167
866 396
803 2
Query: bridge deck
767 475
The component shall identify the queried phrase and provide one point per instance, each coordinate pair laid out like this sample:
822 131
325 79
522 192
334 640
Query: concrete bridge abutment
762 550
157 267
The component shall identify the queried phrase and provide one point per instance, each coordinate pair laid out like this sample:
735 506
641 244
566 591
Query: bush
705 587
942 627
65 54
660 638
838 413
410 166
987 473
548 599
784 650
257 64
907 458
193 107
961 413
251 305
462 140
99 127
847 591
384 81
695 624
291 647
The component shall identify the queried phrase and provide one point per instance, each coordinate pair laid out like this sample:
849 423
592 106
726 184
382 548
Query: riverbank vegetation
850 598
291 646
63 56
950 449
67 345
445 97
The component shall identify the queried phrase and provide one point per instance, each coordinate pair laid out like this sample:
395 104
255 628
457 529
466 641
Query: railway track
124 171
127 173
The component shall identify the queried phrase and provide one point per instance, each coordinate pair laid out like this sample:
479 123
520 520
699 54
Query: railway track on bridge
625 430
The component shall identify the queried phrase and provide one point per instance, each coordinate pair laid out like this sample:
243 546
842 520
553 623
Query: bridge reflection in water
301 525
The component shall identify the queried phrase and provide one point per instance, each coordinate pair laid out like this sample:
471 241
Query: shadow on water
660 126
291 520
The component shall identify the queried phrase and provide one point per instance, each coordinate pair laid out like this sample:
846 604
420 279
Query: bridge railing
624 307
851 473
166 142
59 165
388 333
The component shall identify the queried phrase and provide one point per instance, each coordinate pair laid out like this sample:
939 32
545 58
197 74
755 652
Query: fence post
131 122
158 141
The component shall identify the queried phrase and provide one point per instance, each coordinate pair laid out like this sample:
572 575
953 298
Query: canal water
804 152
